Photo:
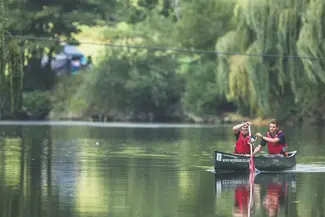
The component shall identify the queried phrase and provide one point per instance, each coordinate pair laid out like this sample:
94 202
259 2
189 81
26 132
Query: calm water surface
73 170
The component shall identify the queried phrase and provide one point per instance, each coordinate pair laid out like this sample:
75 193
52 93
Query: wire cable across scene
171 49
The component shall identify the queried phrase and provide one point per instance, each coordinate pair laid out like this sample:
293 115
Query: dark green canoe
225 162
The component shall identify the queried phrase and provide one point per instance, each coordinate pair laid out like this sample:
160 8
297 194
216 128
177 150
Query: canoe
225 162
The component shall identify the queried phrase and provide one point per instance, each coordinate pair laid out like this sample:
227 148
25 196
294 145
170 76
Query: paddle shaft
250 135
251 161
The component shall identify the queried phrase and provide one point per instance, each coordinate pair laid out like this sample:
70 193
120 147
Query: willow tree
311 43
11 73
269 29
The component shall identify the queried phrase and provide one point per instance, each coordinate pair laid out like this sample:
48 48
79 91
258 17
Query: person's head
273 126
244 128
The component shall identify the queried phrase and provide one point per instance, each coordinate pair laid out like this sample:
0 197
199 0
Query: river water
76 169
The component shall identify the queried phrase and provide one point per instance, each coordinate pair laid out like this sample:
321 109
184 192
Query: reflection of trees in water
65 168
28 192
311 191
11 167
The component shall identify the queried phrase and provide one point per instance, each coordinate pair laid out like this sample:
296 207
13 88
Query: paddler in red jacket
241 132
274 139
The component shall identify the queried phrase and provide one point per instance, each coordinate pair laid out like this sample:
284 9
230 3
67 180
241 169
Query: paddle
251 174
251 161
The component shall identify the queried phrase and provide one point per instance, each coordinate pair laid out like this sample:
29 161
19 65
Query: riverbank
227 119
187 118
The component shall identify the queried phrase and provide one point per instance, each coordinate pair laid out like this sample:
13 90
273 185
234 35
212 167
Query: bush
36 104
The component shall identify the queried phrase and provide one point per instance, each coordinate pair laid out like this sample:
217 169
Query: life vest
242 146
276 148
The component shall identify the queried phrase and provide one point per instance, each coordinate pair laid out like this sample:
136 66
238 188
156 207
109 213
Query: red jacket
275 148
242 146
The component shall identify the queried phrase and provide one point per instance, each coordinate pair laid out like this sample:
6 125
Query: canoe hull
225 162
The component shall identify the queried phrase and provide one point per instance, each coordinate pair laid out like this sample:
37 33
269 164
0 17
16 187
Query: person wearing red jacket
241 133
274 139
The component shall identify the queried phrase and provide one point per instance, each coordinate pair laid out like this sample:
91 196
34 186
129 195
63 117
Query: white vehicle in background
69 61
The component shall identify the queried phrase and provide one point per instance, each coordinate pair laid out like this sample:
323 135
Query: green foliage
15 77
135 81
201 95
105 86
65 97
311 41
137 85
152 87
37 104
312 101
201 22
265 27
55 20
11 75
160 84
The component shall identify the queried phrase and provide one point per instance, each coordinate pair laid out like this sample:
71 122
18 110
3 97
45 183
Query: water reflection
267 193
79 171
62 171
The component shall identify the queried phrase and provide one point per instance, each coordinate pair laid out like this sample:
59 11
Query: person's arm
281 138
273 140
259 147
238 126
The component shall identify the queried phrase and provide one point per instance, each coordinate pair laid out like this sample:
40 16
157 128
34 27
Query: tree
11 74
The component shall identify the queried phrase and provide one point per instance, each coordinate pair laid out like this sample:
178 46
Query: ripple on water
300 168
309 168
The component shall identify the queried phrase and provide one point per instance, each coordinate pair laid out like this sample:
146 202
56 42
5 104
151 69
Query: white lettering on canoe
235 160
234 182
